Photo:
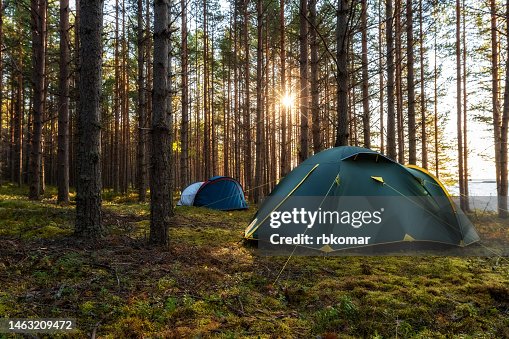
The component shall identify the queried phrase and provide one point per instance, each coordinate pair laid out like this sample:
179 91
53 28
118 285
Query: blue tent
221 193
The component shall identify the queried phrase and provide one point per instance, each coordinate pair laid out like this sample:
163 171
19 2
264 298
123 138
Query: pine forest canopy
247 89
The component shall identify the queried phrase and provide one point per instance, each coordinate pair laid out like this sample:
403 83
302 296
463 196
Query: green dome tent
416 206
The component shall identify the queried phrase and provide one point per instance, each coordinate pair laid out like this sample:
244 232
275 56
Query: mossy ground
208 284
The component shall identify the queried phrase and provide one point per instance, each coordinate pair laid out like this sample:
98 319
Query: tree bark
458 103
63 106
248 176
304 84
342 133
38 13
412 135
17 165
161 204
495 91
399 83
142 140
424 142
259 102
184 130
502 201
88 189
365 78
284 147
465 122
315 94
381 79
435 104
116 106
391 118
2 141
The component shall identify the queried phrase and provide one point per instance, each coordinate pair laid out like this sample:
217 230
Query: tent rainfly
426 212
220 193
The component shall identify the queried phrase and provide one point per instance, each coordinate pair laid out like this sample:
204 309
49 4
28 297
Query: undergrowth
208 284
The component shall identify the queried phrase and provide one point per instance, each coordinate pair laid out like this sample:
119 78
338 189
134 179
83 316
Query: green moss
209 285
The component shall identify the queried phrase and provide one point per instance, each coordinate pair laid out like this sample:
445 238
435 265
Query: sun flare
287 100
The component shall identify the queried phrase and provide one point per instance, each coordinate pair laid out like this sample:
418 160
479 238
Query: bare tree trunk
342 65
236 85
412 137
88 189
399 83
458 103
465 122
435 104
63 106
424 142
2 141
495 91
207 151
315 94
391 118
248 177
142 141
304 84
381 81
116 107
284 147
17 165
259 102
365 78
38 13
161 204
502 201
184 130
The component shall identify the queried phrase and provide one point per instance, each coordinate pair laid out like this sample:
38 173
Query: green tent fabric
348 173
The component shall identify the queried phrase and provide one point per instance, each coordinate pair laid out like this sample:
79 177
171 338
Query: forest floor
208 284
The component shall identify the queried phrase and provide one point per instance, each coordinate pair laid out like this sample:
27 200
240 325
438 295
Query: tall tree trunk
207 151
88 189
247 106
365 78
435 104
315 94
424 142
161 204
63 106
38 13
259 102
116 106
342 66
391 118
502 202
2 141
304 84
412 137
284 147
495 91
236 92
381 79
465 122
458 103
142 141
148 83
17 171
399 82
184 129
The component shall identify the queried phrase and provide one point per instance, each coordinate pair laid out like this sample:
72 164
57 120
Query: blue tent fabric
221 193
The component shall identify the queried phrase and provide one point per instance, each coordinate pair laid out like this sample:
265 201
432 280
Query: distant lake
482 192
477 187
